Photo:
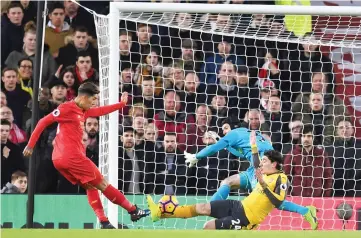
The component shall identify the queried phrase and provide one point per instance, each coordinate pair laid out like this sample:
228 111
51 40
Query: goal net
190 68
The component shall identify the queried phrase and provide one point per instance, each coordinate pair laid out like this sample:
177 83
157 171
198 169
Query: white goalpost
165 15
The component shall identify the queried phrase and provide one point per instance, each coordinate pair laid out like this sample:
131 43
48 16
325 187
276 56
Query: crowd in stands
186 90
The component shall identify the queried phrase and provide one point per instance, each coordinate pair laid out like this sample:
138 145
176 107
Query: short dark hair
307 129
275 156
24 59
6 69
83 53
139 25
18 174
125 33
170 134
88 88
242 69
56 5
127 129
147 78
15 5
5 122
233 122
81 29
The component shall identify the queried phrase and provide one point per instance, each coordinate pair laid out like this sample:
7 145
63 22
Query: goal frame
114 18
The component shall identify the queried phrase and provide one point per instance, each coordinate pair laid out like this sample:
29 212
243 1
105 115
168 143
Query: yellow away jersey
260 202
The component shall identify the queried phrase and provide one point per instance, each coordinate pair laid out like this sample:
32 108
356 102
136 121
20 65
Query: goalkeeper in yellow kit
247 214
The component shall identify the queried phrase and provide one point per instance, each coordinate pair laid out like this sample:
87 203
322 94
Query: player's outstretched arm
277 197
254 148
212 149
42 124
104 110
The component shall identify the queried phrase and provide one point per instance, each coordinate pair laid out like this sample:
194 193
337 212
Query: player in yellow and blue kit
269 192
237 142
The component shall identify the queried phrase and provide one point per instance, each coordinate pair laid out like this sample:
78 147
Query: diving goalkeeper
246 144
269 192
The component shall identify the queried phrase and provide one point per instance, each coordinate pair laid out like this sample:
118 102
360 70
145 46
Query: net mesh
258 71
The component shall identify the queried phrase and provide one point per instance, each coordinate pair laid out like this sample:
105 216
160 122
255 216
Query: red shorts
79 171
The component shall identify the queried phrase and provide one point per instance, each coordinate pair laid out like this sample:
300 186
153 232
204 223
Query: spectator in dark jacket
212 64
133 164
68 54
171 167
12 31
84 71
308 168
76 16
29 50
11 156
19 183
30 10
17 98
346 154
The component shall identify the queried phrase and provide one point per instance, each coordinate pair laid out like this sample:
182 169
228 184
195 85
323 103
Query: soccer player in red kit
69 152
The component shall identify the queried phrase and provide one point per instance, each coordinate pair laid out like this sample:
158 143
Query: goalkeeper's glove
191 159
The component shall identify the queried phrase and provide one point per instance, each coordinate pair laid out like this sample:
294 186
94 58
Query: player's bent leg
210 225
308 213
232 182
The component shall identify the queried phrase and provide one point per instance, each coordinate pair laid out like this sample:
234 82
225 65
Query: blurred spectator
308 168
212 64
146 39
219 109
319 114
3 101
92 144
225 85
174 78
126 83
68 77
248 95
17 135
310 59
277 118
17 99
295 136
29 50
139 125
173 120
12 30
80 42
254 120
270 68
188 55
171 164
25 75
202 125
133 162
84 71
126 55
11 156
193 94
57 30
30 10
150 66
19 183
146 96
58 90
77 16
151 133
346 153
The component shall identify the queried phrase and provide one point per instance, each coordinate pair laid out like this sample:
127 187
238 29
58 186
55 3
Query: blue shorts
247 181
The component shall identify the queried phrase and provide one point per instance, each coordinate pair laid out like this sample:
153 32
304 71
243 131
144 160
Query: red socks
116 197
96 204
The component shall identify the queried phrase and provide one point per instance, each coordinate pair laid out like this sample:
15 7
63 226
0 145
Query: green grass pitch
42 233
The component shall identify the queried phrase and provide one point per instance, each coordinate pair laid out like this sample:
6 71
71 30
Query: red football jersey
70 118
